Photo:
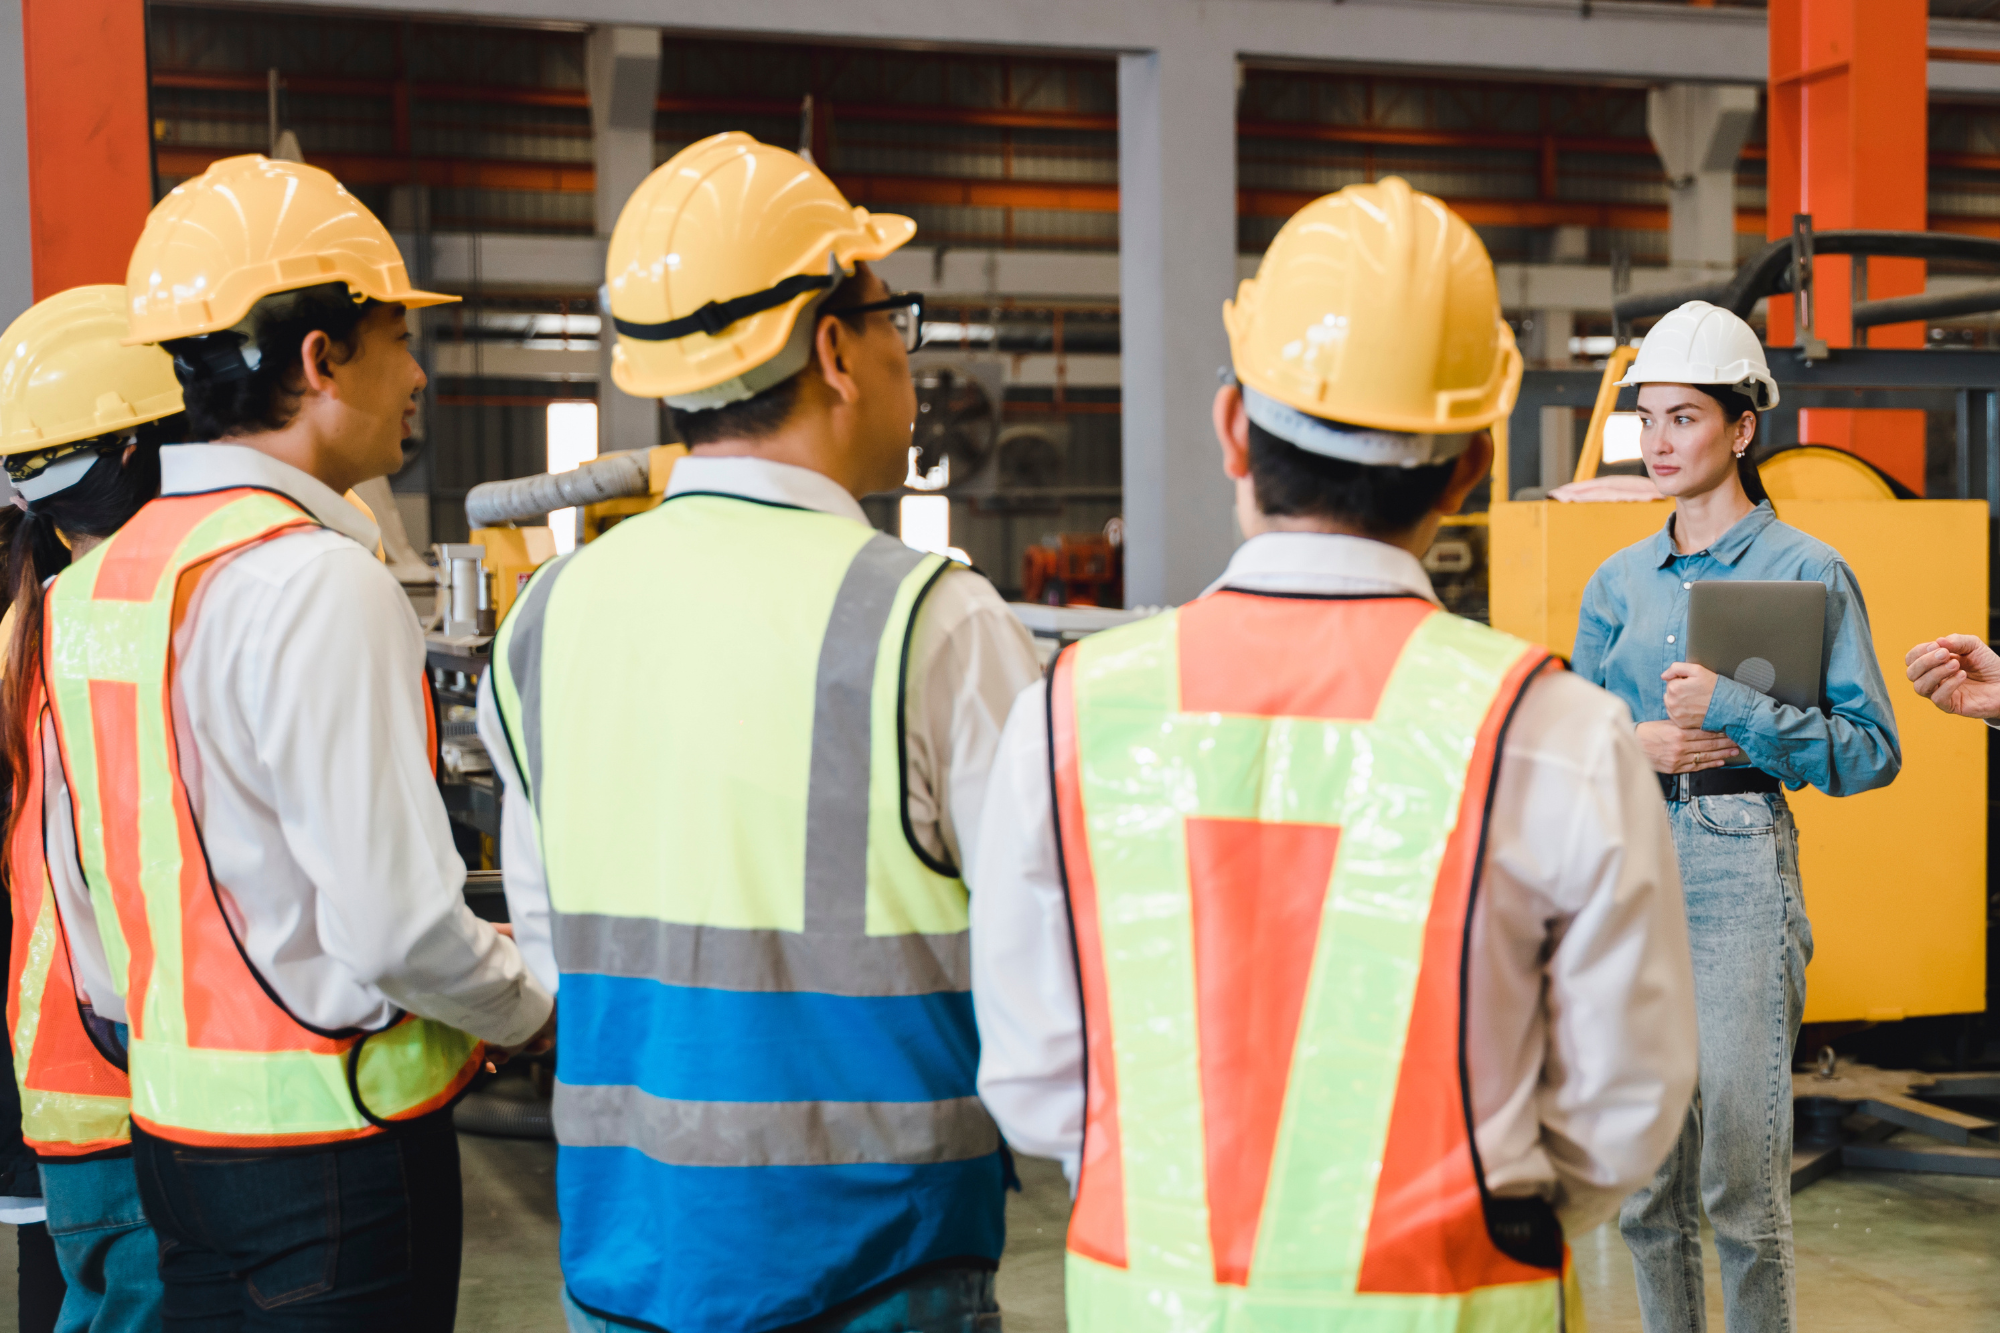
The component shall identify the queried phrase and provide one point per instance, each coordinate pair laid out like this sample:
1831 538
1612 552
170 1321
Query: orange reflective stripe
1254 935
1097 1219
1428 1229
73 1101
146 544
1292 657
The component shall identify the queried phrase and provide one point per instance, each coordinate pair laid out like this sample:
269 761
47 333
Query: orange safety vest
216 1058
1271 812
75 1102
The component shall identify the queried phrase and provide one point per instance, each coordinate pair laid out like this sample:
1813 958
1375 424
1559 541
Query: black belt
1716 782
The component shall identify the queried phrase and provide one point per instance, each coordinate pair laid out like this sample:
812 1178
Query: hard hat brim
410 298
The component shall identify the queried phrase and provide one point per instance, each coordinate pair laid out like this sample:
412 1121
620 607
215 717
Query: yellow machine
513 553
1895 880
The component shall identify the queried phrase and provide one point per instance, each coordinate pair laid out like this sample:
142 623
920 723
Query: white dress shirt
302 721
969 659
1581 1030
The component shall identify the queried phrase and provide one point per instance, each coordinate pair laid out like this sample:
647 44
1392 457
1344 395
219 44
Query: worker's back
1271 810
766 1102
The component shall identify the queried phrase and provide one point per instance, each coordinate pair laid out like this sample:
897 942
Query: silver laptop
1768 636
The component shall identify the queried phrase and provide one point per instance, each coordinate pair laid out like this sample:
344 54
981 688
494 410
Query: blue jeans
360 1237
108 1253
952 1300
1739 859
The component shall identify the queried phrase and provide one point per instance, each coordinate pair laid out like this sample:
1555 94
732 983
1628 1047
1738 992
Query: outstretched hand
1959 673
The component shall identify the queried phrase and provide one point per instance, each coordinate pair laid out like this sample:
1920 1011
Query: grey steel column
1699 131
624 76
1177 264
17 251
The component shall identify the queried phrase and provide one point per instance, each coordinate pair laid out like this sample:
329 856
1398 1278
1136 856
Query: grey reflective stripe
843 713
684 1133
719 958
524 664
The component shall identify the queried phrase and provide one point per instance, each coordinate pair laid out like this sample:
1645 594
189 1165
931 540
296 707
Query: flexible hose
611 477
502 1117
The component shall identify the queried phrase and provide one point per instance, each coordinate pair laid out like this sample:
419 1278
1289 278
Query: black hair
96 505
764 415
226 395
1734 403
1381 501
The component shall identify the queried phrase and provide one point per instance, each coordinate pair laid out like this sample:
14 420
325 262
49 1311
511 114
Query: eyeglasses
905 311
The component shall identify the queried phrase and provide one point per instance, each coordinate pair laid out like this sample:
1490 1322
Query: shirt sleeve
521 871
1852 746
1581 1022
88 963
969 658
334 696
1024 988
1593 629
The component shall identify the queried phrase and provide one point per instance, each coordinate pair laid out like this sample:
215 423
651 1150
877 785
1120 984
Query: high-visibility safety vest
216 1059
766 1100
75 1100
1271 811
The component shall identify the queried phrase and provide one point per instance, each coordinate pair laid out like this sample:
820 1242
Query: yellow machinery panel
1895 880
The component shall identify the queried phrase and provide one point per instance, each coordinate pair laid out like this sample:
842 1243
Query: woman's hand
1674 749
1689 689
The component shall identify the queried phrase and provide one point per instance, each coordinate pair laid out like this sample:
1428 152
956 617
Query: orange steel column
1847 133
90 165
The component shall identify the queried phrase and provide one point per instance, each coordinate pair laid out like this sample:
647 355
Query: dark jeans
41 1286
363 1236
950 1300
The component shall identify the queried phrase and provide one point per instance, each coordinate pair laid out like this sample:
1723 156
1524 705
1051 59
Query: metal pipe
1926 305
611 477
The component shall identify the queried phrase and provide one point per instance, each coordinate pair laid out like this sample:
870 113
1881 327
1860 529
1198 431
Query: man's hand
1674 749
541 1043
1689 689
1958 673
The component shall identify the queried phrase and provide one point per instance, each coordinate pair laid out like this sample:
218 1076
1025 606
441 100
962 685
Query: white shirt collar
191 469
762 479
1324 563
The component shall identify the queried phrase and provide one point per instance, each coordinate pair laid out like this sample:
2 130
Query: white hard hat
1700 343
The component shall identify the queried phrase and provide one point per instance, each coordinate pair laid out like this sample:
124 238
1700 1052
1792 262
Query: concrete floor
1876 1251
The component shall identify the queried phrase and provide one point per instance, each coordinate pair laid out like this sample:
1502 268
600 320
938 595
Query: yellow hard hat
713 259
67 374
250 227
1377 307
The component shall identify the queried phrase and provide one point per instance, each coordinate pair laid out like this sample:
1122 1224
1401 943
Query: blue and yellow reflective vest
765 1103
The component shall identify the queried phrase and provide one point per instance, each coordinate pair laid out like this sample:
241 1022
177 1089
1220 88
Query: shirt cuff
1731 703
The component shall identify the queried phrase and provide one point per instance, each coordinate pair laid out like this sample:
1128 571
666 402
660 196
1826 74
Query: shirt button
1670 638
1687 585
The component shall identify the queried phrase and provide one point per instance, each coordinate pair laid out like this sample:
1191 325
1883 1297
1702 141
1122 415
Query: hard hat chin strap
216 357
789 361
716 316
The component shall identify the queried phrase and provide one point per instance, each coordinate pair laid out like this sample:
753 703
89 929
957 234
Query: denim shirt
1634 626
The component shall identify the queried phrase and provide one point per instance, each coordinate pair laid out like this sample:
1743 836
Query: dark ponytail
1734 403
97 505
